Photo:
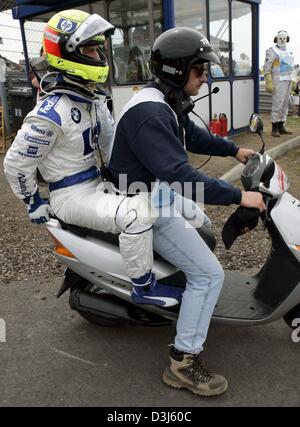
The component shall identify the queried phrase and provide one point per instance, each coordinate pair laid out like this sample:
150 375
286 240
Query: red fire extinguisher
224 124
215 125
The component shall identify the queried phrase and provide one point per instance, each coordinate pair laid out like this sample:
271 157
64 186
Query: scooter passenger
149 145
60 136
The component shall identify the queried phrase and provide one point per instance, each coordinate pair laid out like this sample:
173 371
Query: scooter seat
83 232
205 232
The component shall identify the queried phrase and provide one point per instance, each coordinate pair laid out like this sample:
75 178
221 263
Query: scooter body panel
99 256
286 217
118 288
237 305
243 299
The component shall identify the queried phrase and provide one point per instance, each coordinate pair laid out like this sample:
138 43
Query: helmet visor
90 28
91 55
208 56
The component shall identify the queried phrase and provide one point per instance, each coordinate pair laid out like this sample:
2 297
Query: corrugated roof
6 4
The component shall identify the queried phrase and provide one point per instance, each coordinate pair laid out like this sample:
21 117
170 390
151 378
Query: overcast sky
275 15
279 15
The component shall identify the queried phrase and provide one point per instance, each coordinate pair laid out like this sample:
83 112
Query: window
192 14
241 39
219 36
132 41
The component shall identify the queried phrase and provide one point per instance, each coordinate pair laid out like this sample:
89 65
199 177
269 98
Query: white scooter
100 290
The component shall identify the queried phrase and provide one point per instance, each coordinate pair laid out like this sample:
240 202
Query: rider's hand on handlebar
252 199
244 154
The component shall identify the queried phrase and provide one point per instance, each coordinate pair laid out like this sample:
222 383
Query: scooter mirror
256 124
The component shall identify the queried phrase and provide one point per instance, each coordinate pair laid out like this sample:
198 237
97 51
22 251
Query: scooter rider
149 138
60 136
278 71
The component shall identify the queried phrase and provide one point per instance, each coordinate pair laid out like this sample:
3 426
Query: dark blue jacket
147 147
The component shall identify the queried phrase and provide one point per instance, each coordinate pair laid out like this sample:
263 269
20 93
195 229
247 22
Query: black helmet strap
179 112
177 106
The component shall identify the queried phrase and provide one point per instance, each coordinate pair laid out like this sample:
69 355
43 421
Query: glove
38 209
240 222
269 83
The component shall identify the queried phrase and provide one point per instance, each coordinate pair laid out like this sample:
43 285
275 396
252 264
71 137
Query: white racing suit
280 64
59 137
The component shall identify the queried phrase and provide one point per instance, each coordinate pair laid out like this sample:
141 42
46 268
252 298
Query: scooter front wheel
292 316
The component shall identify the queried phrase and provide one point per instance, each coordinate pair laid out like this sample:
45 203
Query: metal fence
16 93
11 47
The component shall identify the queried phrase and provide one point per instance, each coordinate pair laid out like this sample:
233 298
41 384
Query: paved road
52 357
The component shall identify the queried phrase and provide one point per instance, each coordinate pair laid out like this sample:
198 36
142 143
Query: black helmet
175 51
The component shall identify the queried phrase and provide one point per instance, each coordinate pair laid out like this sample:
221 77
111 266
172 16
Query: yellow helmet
64 36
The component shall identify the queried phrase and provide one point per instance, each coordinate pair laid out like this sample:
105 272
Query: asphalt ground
51 357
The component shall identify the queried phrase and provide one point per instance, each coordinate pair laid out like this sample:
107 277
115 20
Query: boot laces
197 371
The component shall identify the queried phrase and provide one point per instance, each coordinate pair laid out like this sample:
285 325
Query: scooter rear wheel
291 316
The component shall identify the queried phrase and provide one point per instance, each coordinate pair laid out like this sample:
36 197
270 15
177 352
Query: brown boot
275 130
283 130
187 371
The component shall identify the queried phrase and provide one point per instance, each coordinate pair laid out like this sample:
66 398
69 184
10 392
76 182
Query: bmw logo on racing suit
76 115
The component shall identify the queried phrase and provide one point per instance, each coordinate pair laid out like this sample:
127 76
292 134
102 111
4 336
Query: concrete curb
235 173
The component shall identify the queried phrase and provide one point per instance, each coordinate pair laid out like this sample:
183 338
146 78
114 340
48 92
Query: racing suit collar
62 84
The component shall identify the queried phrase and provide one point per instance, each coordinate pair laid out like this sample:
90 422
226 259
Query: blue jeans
180 244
